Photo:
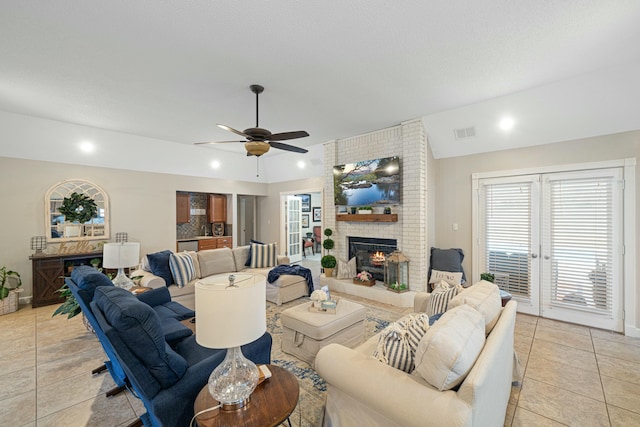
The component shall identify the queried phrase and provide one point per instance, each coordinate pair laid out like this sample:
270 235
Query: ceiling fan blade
215 142
230 129
283 136
287 147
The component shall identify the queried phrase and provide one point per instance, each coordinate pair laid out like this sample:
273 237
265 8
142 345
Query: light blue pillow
182 268
263 256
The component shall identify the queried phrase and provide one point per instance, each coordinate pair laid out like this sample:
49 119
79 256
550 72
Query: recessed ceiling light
301 164
215 164
506 123
87 146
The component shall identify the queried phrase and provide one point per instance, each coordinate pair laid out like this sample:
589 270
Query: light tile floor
573 375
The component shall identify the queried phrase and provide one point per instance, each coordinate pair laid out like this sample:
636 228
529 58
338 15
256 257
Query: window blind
507 235
580 231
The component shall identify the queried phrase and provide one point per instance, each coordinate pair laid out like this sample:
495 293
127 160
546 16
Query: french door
294 228
554 242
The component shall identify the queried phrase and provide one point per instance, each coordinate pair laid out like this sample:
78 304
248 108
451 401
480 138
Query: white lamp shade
230 316
120 255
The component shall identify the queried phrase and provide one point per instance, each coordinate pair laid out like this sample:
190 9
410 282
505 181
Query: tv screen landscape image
367 183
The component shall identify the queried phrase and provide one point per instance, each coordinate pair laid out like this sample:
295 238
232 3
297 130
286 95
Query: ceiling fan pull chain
257 166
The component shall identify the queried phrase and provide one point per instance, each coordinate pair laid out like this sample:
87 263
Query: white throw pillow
346 270
449 277
440 297
483 296
263 256
450 347
182 268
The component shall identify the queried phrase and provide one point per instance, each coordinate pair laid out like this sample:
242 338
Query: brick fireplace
412 231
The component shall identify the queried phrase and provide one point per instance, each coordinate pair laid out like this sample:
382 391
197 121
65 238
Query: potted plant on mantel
328 262
365 210
9 295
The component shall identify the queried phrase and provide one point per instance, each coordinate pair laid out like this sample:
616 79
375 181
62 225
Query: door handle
534 255
547 257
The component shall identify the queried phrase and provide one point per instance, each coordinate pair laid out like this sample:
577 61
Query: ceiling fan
258 140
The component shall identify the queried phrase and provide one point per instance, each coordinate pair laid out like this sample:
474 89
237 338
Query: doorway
554 241
246 219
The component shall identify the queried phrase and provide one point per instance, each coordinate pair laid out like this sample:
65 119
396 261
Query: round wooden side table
271 403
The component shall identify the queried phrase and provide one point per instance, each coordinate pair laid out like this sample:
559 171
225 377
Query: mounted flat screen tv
367 183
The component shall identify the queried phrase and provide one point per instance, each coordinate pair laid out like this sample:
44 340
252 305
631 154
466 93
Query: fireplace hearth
370 253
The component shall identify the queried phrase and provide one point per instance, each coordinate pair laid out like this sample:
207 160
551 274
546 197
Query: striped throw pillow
416 326
182 268
263 256
440 298
394 348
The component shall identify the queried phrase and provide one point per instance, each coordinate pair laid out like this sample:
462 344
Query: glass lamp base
232 382
122 281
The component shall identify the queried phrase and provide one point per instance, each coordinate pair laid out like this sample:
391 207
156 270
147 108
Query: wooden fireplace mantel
368 217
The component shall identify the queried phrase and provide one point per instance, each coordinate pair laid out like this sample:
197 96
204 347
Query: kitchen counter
199 243
190 239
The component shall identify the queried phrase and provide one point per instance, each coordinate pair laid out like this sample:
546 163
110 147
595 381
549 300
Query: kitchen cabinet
204 244
215 243
224 242
183 208
217 209
48 272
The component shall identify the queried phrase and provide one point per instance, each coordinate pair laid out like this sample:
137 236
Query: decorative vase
328 272
364 211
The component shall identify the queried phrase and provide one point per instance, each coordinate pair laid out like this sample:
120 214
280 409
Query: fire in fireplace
370 254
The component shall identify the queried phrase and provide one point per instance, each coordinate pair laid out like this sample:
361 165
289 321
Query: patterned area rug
312 388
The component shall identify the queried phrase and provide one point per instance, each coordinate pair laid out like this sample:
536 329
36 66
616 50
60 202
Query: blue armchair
166 379
83 282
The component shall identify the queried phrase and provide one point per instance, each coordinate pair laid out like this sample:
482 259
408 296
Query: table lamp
231 312
38 243
121 255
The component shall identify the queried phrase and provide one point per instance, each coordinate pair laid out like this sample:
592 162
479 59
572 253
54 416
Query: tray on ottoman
325 308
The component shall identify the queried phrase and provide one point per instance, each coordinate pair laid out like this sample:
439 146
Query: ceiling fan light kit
258 140
256 148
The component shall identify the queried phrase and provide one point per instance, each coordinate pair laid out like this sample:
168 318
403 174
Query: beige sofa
225 260
364 391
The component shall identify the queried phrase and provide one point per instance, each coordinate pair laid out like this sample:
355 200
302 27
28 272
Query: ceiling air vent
463 133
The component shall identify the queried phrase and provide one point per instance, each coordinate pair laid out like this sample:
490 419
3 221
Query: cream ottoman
304 332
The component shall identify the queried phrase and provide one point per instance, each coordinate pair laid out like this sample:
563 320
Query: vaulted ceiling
170 71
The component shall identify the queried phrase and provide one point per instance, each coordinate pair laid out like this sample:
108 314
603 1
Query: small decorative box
365 283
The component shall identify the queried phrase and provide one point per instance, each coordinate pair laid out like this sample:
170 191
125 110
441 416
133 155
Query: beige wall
453 181
141 203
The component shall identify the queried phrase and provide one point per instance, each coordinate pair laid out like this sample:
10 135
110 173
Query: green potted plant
9 295
365 210
328 263
488 277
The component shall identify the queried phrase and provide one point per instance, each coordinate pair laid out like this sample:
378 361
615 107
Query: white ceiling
171 70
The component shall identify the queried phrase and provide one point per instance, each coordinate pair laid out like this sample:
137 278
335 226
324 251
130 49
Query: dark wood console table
49 272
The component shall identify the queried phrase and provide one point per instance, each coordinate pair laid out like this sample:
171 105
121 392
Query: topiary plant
328 243
328 261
